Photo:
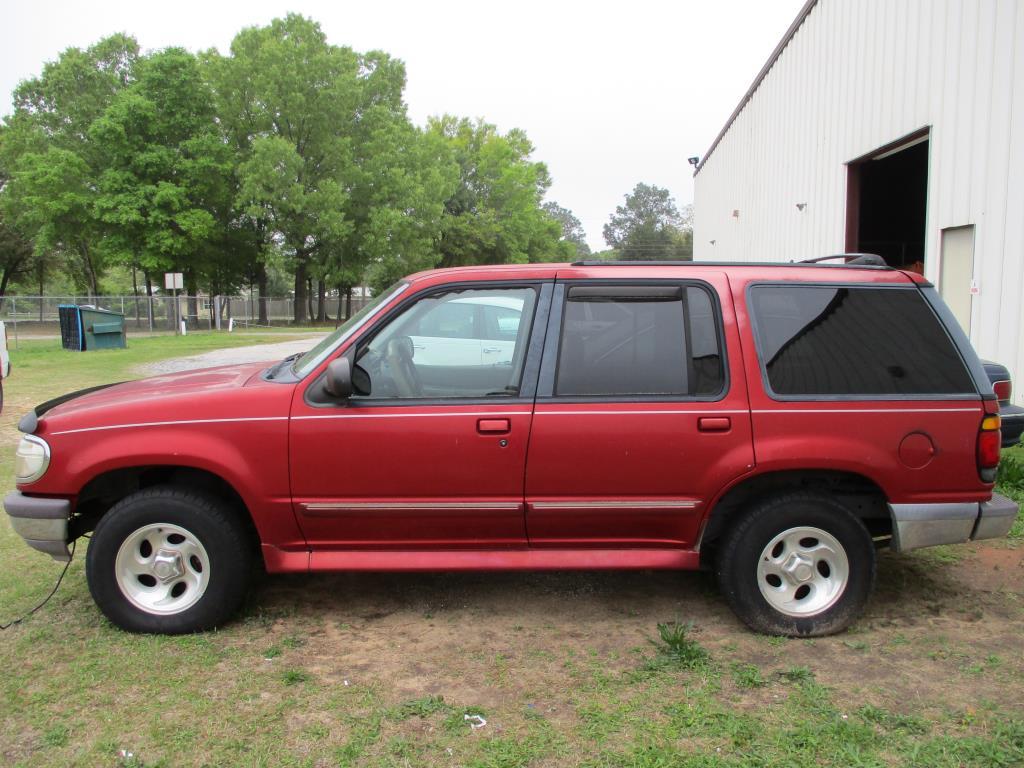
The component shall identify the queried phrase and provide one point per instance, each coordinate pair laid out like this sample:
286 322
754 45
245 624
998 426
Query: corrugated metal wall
858 75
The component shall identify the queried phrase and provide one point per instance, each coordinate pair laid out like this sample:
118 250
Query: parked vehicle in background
1012 416
473 331
776 423
5 361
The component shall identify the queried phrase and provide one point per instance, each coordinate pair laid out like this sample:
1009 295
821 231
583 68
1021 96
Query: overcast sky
611 94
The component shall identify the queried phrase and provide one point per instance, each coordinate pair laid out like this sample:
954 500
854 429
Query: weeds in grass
424 707
57 736
747 676
890 721
316 731
294 676
677 648
797 675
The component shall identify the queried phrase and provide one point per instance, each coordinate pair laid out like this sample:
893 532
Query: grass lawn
567 669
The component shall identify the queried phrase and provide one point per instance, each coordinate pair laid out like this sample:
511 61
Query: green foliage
1011 483
285 157
53 163
494 215
15 255
572 228
1011 471
649 226
165 186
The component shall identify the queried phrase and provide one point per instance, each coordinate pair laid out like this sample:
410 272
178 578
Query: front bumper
42 523
927 525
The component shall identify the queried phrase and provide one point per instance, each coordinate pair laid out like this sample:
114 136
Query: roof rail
853 259
849 260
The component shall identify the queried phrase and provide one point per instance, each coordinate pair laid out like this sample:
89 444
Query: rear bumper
42 523
927 525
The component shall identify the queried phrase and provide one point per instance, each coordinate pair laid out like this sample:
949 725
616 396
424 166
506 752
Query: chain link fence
38 316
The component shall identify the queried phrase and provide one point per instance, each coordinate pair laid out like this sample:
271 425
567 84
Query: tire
800 565
168 561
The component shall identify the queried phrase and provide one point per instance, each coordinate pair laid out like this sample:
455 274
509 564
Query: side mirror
338 382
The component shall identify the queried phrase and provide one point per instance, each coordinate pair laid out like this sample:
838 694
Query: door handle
488 350
714 423
493 426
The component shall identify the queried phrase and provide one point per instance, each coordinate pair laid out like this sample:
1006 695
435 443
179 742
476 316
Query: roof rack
853 259
638 263
849 260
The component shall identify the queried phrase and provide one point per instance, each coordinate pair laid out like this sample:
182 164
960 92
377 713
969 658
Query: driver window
457 344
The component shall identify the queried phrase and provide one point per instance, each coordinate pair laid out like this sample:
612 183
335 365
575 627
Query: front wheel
798 565
168 561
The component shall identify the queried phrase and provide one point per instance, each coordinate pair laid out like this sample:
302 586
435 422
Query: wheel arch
104 490
862 496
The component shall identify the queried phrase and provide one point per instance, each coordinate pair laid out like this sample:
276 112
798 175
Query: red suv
776 423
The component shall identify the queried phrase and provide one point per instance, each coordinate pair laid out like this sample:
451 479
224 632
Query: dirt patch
933 636
993 569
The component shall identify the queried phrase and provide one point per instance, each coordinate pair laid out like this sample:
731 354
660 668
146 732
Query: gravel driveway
251 354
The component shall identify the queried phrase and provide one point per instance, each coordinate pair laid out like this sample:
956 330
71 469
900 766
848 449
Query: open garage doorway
886 202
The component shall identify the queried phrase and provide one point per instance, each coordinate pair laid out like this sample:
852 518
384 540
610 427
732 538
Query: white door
957 272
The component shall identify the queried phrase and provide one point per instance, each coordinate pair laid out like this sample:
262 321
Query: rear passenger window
639 340
849 341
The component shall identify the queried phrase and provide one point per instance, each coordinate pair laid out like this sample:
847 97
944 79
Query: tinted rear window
834 341
639 340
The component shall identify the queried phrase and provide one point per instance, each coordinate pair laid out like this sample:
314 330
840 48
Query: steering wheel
398 352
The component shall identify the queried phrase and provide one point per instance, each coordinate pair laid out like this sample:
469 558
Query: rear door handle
493 426
714 423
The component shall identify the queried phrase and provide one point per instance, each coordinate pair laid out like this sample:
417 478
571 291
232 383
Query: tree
649 226
165 191
572 229
397 205
495 214
54 165
298 105
15 256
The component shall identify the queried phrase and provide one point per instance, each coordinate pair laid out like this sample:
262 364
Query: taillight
989 441
1003 389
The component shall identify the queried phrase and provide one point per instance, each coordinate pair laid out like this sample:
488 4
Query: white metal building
893 127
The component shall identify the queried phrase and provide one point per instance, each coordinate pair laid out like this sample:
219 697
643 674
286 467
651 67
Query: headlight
31 459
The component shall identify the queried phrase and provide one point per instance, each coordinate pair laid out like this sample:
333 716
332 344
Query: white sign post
174 282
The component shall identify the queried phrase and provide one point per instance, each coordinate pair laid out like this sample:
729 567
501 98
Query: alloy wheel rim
803 571
162 569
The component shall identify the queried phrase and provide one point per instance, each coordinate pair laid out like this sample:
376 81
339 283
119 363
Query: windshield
329 343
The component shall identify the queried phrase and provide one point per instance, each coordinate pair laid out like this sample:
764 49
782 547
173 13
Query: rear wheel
168 561
800 564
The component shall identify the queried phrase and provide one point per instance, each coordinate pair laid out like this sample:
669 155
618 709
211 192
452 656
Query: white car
452 342
468 332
